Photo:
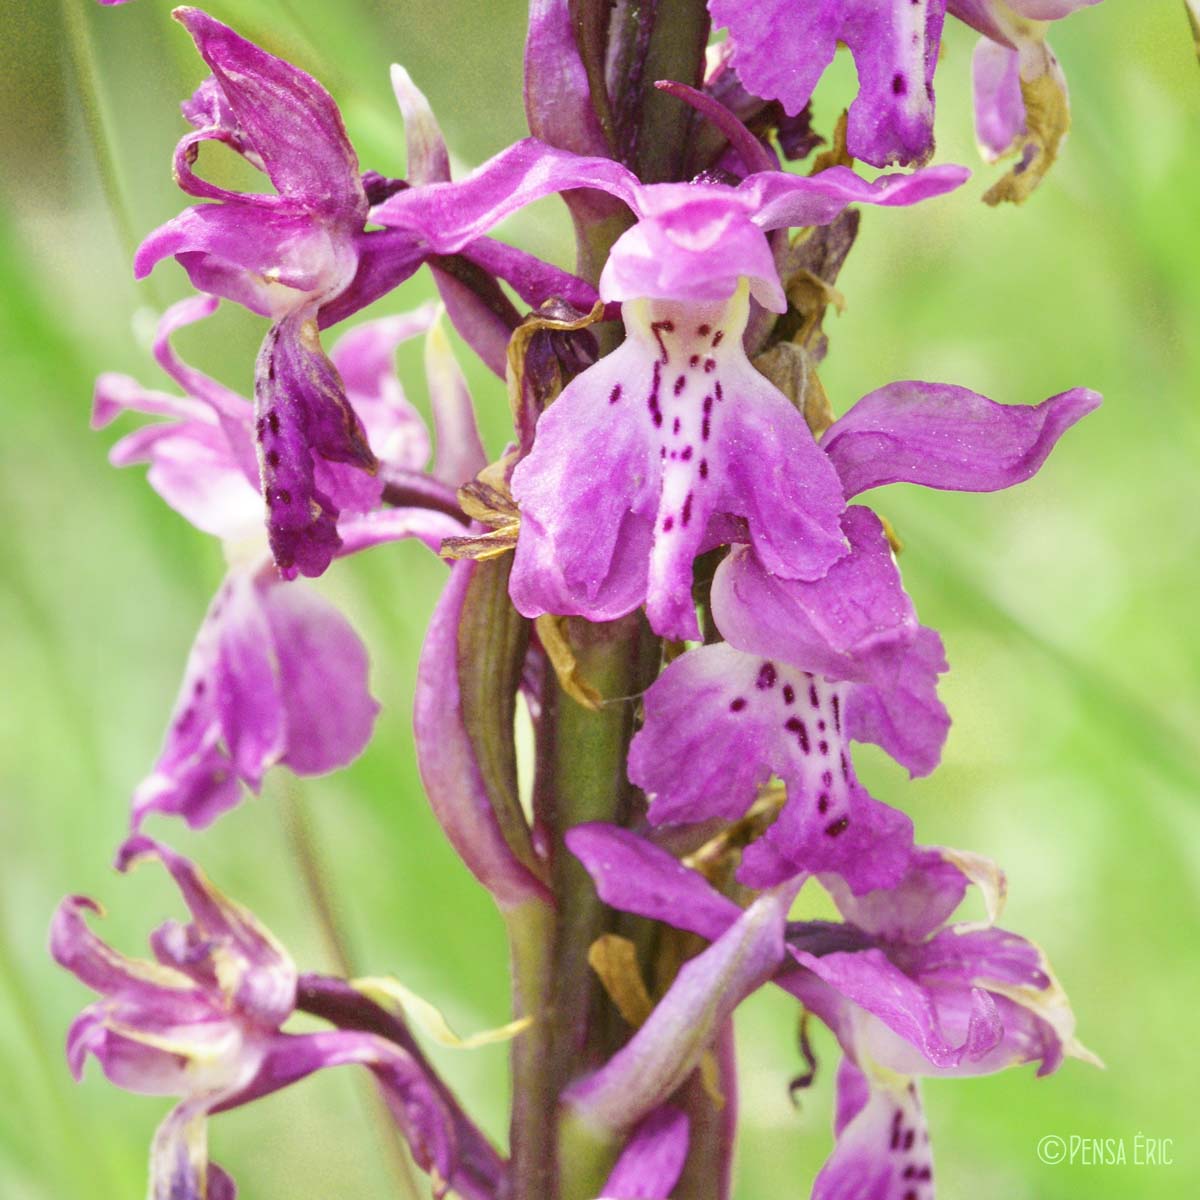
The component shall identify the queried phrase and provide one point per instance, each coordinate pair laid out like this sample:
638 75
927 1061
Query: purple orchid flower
282 256
202 1022
781 49
648 457
276 675
906 993
809 666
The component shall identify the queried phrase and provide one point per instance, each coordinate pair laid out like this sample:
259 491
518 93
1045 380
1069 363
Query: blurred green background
1068 605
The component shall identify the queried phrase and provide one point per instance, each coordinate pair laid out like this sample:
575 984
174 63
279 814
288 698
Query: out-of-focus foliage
1068 606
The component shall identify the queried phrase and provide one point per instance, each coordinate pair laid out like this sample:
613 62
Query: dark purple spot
680 384
199 687
704 468
821 724
658 328
615 394
710 365
704 331
272 458
185 720
708 405
668 524
896 1119
273 421
686 454
720 394
766 676
675 426
838 827
789 693
899 84
845 765
837 713
822 803
823 746
909 1134
686 515
911 1194
694 361
796 726
737 705
283 496
652 399
827 778
929 90
662 452
813 699
260 427
705 429
717 338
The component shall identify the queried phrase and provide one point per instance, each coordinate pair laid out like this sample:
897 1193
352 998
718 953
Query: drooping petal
328 710
664 1051
361 531
287 116
179 1166
653 1158
882 1150
194 776
947 437
781 50
301 412
449 768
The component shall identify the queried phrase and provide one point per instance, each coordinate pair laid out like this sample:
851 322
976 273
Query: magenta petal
904 715
999 106
449 770
266 255
634 875
719 722
653 1158
302 411
427 159
361 531
947 437
781 50
365 358
921 902
868 979
449 215
851 624
194 775
328 711
558 99
286 115
793 200
664 1051
882 1150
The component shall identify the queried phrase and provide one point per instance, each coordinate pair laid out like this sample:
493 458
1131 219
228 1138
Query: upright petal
286 115
942 436
999 108
428 158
